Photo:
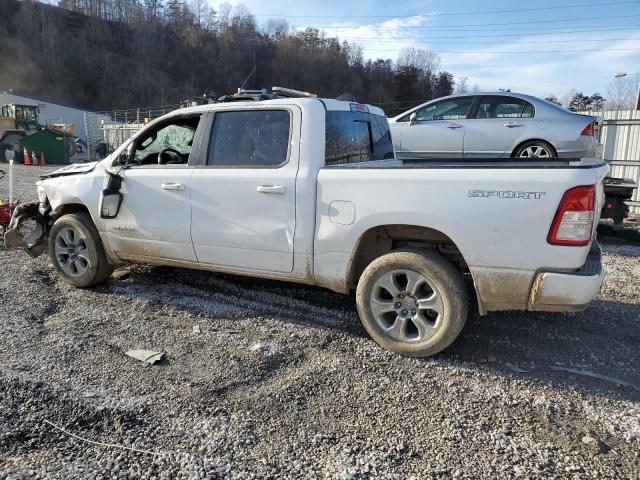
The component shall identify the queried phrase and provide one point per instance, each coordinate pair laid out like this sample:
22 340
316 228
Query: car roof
538 102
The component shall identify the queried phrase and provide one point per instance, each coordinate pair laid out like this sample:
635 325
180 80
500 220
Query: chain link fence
106 131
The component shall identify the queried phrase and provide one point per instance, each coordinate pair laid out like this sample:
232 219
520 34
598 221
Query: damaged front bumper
34 242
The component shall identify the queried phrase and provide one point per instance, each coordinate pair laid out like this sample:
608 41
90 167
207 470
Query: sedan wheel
535 151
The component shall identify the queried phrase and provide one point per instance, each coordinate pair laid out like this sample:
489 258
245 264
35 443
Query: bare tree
622 93
566 99
154 52
419 58
462 85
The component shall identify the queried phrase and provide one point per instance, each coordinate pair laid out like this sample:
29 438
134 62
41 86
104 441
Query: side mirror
413 118
111 198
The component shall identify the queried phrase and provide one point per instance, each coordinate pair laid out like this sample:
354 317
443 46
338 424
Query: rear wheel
76 251
412 302
535 149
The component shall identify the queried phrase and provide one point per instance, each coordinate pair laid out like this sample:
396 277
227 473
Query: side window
504 107
167 144
249 138
450 109
353 137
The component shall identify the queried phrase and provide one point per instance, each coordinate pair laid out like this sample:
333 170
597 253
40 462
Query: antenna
250 75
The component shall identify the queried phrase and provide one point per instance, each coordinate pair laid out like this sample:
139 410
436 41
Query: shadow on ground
602 340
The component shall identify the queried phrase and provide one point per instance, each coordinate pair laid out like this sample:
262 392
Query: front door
244 197
154 220
438 131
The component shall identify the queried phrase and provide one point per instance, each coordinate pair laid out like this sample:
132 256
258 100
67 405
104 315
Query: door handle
172 186
277 189
454 125
512 125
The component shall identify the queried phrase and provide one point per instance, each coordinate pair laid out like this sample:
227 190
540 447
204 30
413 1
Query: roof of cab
330 104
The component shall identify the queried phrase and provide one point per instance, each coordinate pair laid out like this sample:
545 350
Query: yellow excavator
20 121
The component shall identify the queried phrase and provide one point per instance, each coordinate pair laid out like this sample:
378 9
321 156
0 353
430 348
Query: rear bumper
568 291
584 147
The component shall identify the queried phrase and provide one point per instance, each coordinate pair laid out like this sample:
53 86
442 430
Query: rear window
353 137
504 107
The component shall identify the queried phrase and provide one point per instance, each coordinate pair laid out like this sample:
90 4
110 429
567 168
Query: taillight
588 131
573 222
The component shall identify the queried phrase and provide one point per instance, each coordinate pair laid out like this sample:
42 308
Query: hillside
108 54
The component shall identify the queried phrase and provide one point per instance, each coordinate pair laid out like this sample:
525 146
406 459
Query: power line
529 34
435 39
516 10
590 50
592 28
528 22
429 41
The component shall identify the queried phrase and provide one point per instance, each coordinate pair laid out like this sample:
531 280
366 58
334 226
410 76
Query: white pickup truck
307 190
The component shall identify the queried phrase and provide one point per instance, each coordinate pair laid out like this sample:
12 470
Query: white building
51 112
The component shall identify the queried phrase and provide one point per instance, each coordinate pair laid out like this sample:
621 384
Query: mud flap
34 243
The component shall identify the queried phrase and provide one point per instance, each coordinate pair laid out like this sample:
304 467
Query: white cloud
381 39
548 73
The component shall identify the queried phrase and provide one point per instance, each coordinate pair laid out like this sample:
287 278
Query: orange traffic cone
25 157
34 158
42 162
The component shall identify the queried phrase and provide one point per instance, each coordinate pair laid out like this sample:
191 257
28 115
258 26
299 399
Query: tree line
113 54
579 102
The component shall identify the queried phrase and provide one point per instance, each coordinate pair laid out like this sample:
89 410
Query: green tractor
16 122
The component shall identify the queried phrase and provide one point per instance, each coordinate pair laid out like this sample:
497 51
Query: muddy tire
412 302
76 251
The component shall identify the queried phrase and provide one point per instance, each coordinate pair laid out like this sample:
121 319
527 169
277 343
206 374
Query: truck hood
73 169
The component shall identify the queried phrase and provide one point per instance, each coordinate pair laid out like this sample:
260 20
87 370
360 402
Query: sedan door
244 197
438 130
500 123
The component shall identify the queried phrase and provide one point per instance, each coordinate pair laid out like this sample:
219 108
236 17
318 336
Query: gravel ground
283 382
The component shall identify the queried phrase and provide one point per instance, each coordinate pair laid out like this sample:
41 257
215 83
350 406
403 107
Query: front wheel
412 302
76 251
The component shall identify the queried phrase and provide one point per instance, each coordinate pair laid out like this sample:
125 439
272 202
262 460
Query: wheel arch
68 208
515 149
383 239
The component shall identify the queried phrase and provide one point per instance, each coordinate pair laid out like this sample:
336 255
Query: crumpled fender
34 243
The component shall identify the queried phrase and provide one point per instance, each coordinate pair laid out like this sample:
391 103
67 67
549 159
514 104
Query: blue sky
475 45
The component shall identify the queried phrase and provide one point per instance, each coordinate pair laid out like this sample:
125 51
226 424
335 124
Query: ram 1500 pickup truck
307 190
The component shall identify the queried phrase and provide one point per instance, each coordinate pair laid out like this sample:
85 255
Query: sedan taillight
588 131
573 222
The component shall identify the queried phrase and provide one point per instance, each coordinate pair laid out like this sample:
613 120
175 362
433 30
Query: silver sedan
491 125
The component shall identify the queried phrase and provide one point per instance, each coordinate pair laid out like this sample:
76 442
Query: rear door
243 197
438 131
498 125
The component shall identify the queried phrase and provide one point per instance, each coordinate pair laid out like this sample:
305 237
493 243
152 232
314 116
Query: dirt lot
282 382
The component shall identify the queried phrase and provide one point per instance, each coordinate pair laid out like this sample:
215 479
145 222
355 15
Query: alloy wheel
406 306
71 252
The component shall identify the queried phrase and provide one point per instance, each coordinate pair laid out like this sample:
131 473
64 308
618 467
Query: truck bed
477 163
